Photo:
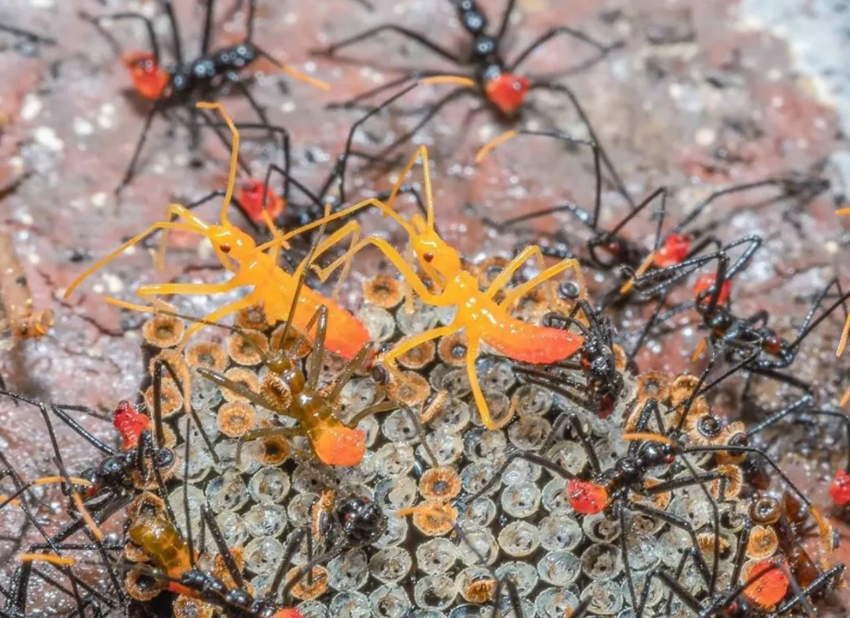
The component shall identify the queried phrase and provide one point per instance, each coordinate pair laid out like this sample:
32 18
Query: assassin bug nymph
609 249
487 73
184 83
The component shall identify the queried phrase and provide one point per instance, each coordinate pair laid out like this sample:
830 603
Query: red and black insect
596 360
287 211
495 79
184 83
610 250
749 342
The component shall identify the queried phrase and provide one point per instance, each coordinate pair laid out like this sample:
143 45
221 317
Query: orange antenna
650 437
628 285
234 156
448 79
162 225
421 153
699 349
493 144
825 530
316 83
57 560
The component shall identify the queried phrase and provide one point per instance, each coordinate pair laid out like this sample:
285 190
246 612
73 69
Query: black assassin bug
609 249
19 590
488 76
177 561
597 359
182 84
750 341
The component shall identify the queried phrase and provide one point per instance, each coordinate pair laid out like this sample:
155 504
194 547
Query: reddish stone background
689 83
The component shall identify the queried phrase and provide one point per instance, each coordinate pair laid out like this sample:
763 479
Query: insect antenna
27 34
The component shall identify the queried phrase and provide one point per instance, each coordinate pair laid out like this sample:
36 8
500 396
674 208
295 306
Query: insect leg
152 40
604 50
560 88
400 30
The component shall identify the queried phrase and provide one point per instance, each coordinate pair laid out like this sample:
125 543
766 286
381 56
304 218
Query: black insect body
184 83
490 76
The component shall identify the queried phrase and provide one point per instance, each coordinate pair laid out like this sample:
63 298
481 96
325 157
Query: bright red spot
149 79
586 498
339 445
673 251
129 423
507 92
289 612
769 589
705 282
839 490
251 197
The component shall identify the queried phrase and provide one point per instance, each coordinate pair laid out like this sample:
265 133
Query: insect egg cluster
460 520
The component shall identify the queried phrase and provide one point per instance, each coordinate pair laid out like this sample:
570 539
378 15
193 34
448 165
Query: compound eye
225 248
428 257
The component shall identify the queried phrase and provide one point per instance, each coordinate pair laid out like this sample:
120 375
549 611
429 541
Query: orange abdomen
538 345
346 335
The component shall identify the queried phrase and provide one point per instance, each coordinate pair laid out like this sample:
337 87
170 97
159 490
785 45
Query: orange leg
842 343
175 211
160 225
214 317
351 228
333 217
403 266
411 342
472 346
551 272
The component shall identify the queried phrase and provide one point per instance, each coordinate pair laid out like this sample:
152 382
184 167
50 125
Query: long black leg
175 31
95 20
221 545
359 98
208 25
604 50
402 31
27 34
158 106
820 582
504 24
250 20
624 552
682 524
697 210
339 170
261 113
433 111
615 176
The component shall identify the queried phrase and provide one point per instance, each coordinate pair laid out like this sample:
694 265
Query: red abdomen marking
586 498
673 251
251 197
705 282
538 345
149 79
769 589
130 424
839 490
346 335
507 92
